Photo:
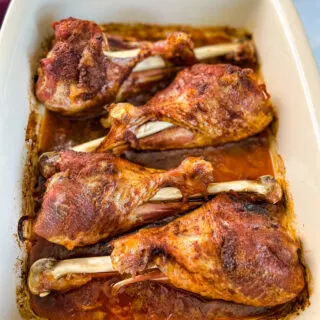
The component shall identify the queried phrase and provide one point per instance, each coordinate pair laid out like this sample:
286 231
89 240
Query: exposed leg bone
151 276
53 270
89 146
266 186
142 81
201 53
145 130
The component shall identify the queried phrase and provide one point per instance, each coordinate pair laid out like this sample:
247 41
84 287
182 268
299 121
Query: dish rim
291 23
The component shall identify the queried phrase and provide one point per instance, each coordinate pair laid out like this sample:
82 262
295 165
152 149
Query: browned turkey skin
90 197
228 249
207 104
76 78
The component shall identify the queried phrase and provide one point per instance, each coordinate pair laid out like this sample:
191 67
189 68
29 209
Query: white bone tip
36 271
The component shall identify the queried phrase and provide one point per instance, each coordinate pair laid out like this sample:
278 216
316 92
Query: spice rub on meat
207 104
78 78
227 249
92 196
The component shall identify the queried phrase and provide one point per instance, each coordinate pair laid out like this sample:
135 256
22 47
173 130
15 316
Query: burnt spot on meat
99 37
202 107
202 88
87 95
158 251
228 252
258 209
176 229
234 114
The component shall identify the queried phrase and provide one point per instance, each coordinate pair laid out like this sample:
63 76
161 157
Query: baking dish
287 66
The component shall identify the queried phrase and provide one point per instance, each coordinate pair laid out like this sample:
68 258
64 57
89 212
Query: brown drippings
97 300
58 132
247 159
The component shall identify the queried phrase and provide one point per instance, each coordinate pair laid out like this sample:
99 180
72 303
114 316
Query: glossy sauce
246 159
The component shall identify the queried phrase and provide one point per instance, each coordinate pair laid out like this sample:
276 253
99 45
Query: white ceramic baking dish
287 66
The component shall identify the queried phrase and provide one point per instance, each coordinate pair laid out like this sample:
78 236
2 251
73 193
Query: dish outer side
288 67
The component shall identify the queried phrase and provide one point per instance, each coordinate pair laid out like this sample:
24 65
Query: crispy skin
76 78
90 197
208 104
227 249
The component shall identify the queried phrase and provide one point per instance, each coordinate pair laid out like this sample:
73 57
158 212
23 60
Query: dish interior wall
28 22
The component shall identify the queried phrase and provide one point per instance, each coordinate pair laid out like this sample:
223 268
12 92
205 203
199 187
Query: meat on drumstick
228 249
93 196
205 105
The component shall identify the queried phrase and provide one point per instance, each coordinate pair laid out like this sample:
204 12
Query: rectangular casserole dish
288 68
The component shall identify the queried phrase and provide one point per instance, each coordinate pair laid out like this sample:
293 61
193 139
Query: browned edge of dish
32 143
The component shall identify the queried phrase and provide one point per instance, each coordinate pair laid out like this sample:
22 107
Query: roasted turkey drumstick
92 196
80 74
228 249
95 196
205 105
77 77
